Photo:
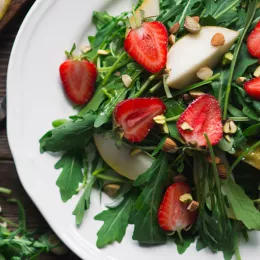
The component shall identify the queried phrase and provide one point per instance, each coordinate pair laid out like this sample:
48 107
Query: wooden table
8 174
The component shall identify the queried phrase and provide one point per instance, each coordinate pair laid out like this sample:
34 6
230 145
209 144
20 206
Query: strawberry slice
253 42
202 116
252 88
135 116
173 214
78 78
147 45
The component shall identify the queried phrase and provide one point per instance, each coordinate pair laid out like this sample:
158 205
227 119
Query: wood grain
8 174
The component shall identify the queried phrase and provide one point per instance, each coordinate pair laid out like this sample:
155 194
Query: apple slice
193 52
120 160
151 8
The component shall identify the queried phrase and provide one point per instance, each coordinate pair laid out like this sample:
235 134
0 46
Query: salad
168 124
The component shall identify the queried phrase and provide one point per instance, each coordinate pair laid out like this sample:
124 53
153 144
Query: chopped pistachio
160 120
257 72
185 198
186 126
240 81
191 25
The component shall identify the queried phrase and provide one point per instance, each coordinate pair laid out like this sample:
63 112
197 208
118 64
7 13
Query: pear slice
120 160
193 52
4 5
151 8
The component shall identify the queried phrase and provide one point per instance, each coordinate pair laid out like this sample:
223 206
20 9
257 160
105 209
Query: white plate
35 98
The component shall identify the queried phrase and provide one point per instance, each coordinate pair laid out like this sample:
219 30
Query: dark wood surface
8 174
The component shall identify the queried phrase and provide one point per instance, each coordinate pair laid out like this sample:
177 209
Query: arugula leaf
242 205
252 130
144 213
256 105
101 18
244 60
69 136
182 246
115 222
71 175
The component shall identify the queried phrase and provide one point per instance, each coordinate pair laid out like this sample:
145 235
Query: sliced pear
4 5
193 52
120 160
151 8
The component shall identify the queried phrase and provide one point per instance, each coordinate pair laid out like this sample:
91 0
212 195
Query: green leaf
183 246
200 244
174 108
70 136
144 214
243 62
71 175
242 205
106 113
84 202
101 18
173 130
115 222
256 105
252 130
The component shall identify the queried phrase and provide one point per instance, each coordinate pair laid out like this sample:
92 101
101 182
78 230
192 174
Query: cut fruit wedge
193 52
120 160
4 4
151 8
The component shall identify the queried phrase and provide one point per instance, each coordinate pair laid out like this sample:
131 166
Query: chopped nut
185 198
257 72
170 146
227 137
127 80
161 119
217 159
240 81
180 178
191 25
186 126
193 206
222 171
165 128
172 39
111 190
103 52
229 127
196 93
135 152
205 73
118 74
85 49
218 40
196 18
175 28
228 57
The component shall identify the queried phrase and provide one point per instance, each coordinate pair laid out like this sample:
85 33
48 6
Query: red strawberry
202 116
147 45
173 214
78 78
135 116
253 42
252 88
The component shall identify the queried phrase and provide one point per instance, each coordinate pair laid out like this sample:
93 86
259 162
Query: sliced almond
185 126
205 73
191 25
127 80
196 93
160 120
85 49
218 40
196 18
165 128
103 52
240 81
170 146
175 28
257 72
172 39
193 206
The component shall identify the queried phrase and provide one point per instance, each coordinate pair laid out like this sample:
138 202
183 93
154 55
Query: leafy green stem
196 85
113 68
173 119
250 16
9 222
106 177
146 84
5 191
156 87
